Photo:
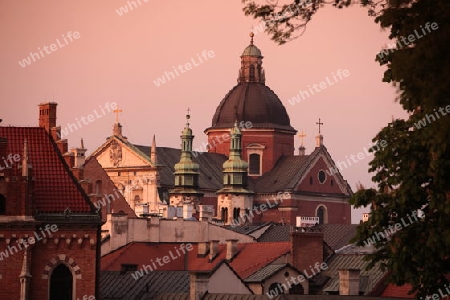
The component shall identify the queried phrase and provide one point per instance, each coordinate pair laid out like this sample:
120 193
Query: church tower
186 173
267 133
235 201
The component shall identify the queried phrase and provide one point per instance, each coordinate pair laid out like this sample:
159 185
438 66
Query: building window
236 213
254 164
310 180
118 173
322 176
98 187
2 205
276 289
224 214
61 283
322 214
128 267
332 182
296 289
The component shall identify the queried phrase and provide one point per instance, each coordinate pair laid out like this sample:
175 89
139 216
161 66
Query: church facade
250 173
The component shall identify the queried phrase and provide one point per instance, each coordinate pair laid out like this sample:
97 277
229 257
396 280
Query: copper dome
254 102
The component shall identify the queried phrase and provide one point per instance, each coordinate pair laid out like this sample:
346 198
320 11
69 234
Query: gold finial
302 136
251 37
117 111
188 116
319 123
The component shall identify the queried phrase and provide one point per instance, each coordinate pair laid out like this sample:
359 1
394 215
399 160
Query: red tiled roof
142 254
55 187
394 291
250 257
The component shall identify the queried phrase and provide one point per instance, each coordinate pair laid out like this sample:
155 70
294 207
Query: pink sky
117 58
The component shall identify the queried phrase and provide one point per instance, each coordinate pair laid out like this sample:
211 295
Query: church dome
251 100
254 102
251 50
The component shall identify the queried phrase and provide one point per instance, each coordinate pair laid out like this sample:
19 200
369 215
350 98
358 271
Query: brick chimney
47 115
47 120
349 282
306 249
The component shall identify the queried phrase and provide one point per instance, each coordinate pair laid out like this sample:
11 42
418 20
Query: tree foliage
412 174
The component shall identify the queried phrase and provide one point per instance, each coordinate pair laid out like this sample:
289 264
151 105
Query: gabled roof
245 262
334 235
337 235
276 233
55 187
245 229
368 279
124 143
265 272
118 285
289 170
210 177
284 175
141 253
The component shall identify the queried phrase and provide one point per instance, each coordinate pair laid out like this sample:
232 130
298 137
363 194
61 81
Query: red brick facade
42 203
275 144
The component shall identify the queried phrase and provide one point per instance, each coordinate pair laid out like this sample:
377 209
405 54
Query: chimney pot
231 248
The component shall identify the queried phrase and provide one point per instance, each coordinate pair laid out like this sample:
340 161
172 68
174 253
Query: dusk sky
117 56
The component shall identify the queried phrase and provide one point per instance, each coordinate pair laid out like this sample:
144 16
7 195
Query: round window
322 176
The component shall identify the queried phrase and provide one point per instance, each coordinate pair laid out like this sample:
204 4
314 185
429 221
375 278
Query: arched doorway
61 283
296 289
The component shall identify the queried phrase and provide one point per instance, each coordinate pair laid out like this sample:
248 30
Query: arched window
254 164
276 288
61 283
252 72
322 214
2 205
236 213
224 214
296 289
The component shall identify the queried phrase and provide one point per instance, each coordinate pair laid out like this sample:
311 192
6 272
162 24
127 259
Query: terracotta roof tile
250 257
142 254
55 187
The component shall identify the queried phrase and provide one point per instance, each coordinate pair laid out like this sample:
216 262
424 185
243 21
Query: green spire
186 170
235 168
